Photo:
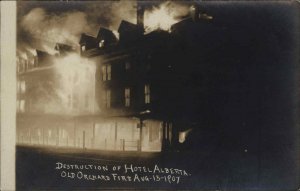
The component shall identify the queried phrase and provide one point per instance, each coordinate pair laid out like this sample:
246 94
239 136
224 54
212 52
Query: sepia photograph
156 95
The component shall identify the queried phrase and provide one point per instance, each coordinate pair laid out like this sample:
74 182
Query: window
22 106
106 72
147 93
83 48
33 62
127 97
23 86
127 65
101 43
107 98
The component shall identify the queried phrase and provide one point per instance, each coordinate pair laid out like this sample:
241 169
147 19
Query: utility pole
83 140
141 134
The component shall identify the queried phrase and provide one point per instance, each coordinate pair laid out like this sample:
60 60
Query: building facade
139 92
51 91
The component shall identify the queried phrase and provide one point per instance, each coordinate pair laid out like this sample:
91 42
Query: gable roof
106 34
86 39
126 26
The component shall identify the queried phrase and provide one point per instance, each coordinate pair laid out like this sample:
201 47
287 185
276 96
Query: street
55 169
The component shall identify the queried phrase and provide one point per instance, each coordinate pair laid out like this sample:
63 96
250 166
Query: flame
76 78
116 33
32 51
164 16
49 50
22 55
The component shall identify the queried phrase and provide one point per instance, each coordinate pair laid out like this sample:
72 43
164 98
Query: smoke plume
63 28
40 27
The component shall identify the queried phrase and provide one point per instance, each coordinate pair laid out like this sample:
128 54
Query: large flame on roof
164 16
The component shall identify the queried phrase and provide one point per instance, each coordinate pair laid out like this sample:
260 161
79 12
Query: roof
63 47
126 26
107 35
86 39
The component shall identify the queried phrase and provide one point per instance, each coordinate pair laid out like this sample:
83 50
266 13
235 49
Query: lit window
106 72
147 93
101 43
83 48
23 86
127 97
127 65
22 106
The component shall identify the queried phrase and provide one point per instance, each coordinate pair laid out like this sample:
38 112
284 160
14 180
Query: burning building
49 86
130 92
141 79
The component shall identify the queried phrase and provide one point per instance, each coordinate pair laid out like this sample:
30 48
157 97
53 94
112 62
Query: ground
38 169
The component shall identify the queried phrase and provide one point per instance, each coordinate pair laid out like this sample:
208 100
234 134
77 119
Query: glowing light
32 51
183 135
116 33
23 55
50 50
159 18
74 86
164 16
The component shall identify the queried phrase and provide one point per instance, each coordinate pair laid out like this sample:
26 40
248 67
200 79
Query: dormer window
83 48
101 43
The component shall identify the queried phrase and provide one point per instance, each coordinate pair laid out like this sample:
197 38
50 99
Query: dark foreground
42 169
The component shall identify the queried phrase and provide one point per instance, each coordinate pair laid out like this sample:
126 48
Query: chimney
140 16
